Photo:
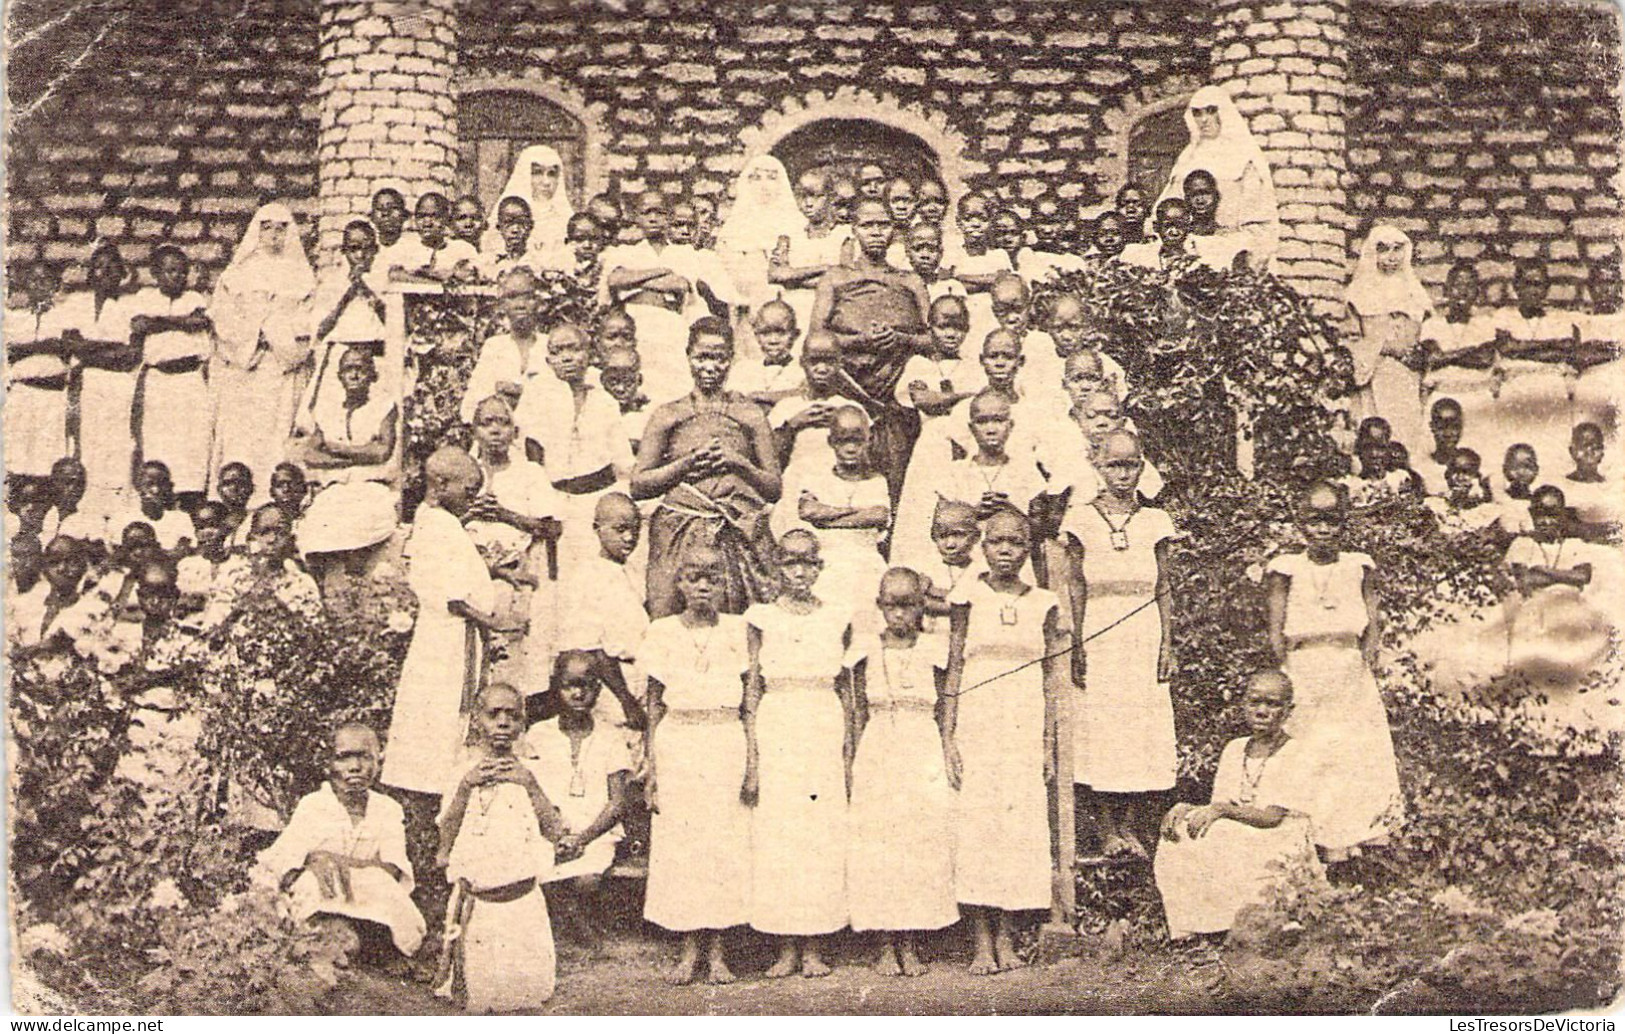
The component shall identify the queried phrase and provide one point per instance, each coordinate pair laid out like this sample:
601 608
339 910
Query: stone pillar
387 111
1286 66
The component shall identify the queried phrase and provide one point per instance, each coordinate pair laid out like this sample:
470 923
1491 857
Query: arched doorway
841 145
1154 143
495 125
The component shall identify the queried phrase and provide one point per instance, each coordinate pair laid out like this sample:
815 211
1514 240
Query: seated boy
436 258
1596 499
343 852
497 835
156 496
583 768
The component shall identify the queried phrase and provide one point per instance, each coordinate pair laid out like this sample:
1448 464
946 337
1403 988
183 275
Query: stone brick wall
176 126
1490 133
387 111
1284 65
1033 90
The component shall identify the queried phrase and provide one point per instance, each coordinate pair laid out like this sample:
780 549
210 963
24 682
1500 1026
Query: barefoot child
497 835
1123 713
797 728
900 868
999 724
441 673
1324 625
343 852
1218 857
582 765
700 849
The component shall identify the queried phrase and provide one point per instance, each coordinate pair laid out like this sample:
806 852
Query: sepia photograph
817 507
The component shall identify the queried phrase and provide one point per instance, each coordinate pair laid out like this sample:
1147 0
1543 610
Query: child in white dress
900 868
583 767
849 508
344 850
455 606
700 847
1324 625
797 734
1123 713
999 718
497 835
1218 857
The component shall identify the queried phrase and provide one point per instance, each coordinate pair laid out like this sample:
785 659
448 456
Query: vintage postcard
822 506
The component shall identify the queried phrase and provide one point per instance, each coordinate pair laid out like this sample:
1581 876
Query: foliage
275 683
444 335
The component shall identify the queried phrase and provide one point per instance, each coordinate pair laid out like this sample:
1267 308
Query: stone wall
1034 92
1284 66
179 123
1492 133
387 111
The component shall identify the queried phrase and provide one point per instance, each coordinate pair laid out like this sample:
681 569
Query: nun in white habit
1387 305
538 179
1222 144
262 343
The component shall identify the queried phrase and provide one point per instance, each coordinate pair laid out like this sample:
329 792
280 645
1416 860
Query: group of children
901 543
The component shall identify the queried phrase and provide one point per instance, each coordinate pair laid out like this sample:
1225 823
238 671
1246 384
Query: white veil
551 216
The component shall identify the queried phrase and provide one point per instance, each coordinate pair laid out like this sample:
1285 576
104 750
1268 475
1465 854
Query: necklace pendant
1120 538
1008 614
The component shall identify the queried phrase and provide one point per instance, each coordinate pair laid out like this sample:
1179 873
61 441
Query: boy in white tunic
343 852
455 602
497 835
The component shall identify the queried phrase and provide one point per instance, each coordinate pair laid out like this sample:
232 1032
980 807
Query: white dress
506 946
524 488
798 828
1001 852
172 391
852 561
320 822
700 844
1474 389
1535 401
1337 709
1205 881
36 409
1599 388
1560 634
442 663
577 782
900 847
354 506
1123 716
104 445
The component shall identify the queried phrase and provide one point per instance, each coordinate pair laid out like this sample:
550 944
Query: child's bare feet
717 971
983 963
912 966
812 964
886 965
1004 945
787 963
688 963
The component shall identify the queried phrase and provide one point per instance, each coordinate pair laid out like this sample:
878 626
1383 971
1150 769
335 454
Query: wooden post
1063 822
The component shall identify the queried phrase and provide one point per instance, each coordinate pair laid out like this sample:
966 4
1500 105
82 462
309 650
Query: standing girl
1124 714
101 389
1324 625
699 849
999 724
900 853
797 732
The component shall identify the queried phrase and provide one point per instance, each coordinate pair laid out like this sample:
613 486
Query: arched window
841 145
1154 143
493 126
